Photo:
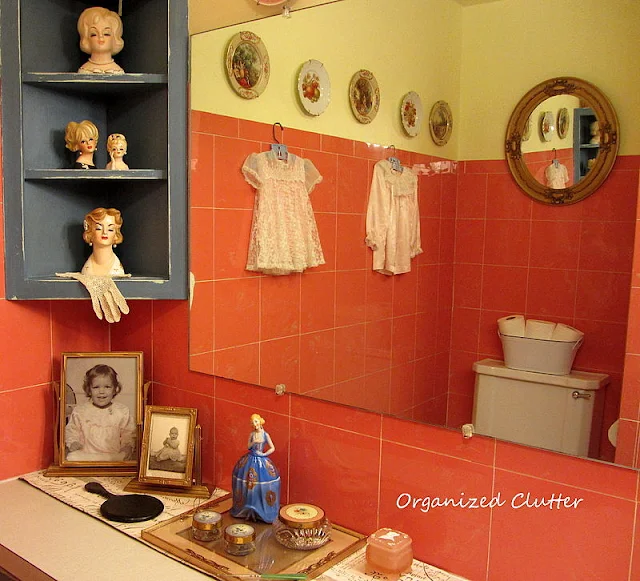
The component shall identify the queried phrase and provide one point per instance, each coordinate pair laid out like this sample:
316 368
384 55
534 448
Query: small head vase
100 33
117 149
82 138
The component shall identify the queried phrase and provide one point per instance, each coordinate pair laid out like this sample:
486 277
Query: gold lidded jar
206 525
302 526
239 539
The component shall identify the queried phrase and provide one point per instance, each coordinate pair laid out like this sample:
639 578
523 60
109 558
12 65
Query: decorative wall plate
547 125
272 2
411 113
314 87
563 122
364 96
527 130
247 65
440 122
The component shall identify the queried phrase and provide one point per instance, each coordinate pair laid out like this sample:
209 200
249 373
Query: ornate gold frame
186 418
609 138
72 363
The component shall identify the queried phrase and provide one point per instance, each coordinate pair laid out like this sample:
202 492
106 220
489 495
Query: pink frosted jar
390 552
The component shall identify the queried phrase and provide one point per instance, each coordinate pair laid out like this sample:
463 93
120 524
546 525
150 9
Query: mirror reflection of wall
340 332
540 153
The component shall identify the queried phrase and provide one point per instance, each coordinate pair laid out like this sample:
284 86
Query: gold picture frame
168 441
99 414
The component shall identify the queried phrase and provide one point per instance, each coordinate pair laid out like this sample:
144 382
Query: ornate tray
270 557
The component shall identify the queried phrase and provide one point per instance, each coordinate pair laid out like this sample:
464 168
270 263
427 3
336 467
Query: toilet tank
538 409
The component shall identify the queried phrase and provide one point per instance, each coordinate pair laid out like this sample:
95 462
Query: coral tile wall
396 473
338 331
567 264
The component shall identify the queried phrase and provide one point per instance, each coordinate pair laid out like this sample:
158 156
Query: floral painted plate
314 87
440 122
563 122
547 125
247 65
411 113
364 96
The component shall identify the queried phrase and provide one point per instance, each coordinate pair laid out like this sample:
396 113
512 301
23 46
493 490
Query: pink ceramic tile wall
569 264
338 331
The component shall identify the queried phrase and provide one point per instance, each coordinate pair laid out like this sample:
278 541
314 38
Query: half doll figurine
82 138
255 480
102 233
117 148
100 32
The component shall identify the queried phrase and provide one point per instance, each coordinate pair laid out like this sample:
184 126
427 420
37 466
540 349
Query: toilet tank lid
574 380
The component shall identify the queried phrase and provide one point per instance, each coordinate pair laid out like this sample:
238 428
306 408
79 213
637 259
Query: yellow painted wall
510 46
409 45
480 58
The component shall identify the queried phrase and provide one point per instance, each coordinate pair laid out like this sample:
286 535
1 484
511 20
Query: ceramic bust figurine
102 233
117 148
82 138
595 132
255 480
100 32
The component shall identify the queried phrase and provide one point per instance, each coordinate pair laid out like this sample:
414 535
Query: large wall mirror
576 118
272 331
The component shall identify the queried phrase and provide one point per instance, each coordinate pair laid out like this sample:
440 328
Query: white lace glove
105 295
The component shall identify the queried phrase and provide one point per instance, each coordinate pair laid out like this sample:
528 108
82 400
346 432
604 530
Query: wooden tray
174 537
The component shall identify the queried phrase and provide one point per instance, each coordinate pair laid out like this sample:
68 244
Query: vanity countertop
43 539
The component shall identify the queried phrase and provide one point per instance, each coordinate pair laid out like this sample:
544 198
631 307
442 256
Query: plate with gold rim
364 96
247 63
440 122
411 113
314 87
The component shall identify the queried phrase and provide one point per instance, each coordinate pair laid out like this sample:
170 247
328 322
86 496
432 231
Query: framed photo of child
168 444
100 414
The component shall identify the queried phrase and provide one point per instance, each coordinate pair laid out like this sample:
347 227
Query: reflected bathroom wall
338 332
541 150
497 252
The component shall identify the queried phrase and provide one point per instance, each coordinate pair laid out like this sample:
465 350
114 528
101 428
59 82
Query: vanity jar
239 539
206 525
302 527
389 552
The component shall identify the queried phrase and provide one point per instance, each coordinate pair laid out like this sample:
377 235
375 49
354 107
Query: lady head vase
100 33
82 138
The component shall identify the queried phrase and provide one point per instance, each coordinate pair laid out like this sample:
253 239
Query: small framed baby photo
100 410
168 444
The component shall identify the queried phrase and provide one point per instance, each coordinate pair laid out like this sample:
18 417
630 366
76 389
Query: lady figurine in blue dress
255 478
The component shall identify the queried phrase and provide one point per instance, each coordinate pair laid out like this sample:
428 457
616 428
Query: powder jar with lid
302 527
206 525
239 539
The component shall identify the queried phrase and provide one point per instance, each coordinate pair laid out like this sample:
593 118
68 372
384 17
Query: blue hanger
280 149
394 161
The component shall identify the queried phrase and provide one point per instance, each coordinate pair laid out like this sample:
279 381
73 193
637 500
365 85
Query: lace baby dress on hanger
284 235
393 218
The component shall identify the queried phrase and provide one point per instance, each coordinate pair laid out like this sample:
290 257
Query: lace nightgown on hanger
284 235
393 219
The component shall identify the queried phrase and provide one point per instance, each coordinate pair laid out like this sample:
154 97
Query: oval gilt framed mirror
565 167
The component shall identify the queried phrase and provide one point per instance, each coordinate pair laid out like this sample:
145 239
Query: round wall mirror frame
591 97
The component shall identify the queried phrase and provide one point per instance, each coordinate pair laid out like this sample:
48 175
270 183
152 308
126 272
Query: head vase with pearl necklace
89 17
